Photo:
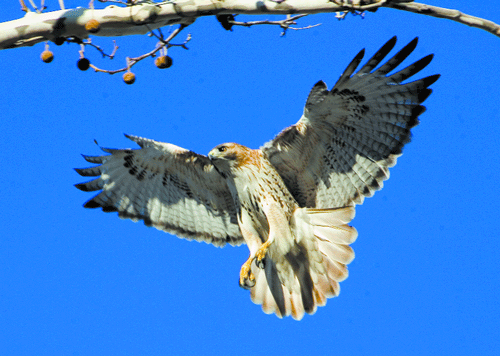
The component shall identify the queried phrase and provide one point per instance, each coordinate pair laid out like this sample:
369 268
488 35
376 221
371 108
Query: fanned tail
319 262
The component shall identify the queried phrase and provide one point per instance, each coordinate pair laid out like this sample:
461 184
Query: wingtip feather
89 172
91 204
132 138
93 159
83 187
350 68
378 57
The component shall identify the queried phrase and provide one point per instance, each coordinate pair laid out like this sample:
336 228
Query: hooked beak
211 155
213 159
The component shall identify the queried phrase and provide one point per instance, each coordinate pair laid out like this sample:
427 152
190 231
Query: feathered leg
278 229
261 254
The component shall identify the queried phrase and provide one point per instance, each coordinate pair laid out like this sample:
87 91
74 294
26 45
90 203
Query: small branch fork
361 5
110 56
285 24
88 42
163 45
38 10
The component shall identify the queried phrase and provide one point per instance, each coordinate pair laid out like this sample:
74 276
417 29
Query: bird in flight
291 200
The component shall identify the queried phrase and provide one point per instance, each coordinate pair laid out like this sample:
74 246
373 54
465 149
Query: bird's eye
222 149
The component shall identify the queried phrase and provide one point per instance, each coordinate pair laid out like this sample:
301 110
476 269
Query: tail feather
261 294
330 217
318 260
297 309
340 253
343 235
336 271
274 283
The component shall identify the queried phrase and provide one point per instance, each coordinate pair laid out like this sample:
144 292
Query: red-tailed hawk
291 200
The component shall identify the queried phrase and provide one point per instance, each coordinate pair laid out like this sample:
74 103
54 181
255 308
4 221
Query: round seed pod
163 62
83 64
93 26
129 78
47 56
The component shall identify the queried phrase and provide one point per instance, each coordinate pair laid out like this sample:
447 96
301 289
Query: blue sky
73 281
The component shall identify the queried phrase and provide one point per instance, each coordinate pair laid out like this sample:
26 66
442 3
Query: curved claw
261 254
247 279
247 282
261 263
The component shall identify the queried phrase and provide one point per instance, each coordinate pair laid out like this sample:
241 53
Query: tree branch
449 14
138 17
132 19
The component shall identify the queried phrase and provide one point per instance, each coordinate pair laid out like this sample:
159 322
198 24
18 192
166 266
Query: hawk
291 200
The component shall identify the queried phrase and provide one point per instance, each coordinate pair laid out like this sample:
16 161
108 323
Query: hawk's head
225 152
228 157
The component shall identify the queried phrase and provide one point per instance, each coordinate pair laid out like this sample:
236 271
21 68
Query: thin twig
82 50
164 43
368 7
33 5
342 15
303 28
285 24
128 3
23 6
104 54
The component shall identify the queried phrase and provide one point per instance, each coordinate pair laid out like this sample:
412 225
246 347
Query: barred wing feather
167 187
341 149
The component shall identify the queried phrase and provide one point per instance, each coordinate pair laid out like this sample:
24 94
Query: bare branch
132 17
285 24
104 54
360 5
114 21
282 23
342 15
33 5
163 43
449 14
116 1
23 6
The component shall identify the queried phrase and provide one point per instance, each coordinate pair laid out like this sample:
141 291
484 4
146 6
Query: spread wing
167 187
341 149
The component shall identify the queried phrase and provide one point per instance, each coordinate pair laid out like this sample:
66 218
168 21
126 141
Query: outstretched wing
168 187
341 149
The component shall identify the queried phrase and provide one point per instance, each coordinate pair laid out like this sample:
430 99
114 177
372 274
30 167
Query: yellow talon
247 279
261 254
